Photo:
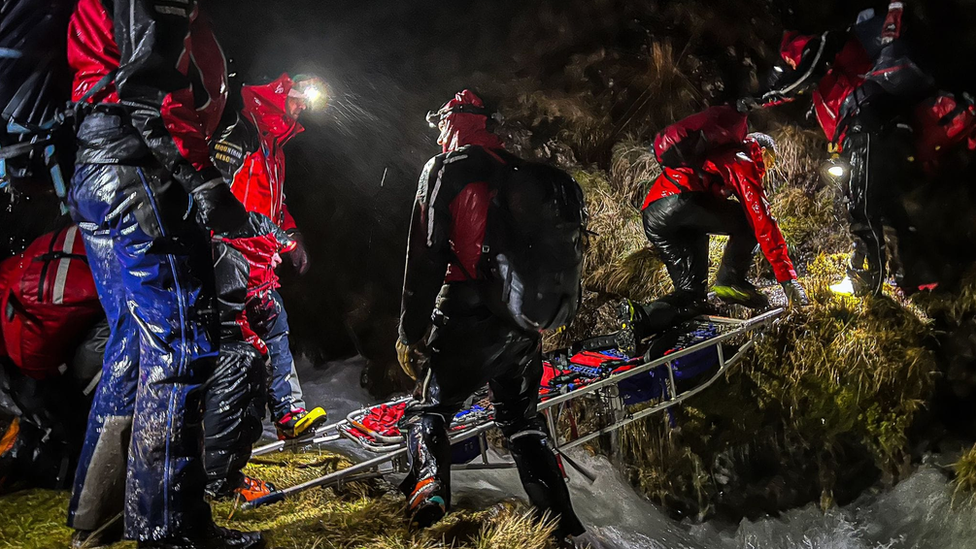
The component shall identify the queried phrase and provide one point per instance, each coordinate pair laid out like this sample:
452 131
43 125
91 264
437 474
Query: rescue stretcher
666 371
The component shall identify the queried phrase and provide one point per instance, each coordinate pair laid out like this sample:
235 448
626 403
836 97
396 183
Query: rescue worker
687 203
864 89
235 399
449 338
249 153
144 195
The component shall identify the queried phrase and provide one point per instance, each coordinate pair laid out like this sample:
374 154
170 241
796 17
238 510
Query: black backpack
533 251
35 90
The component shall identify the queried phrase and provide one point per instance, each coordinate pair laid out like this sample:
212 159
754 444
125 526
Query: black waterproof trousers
470 347
235 399
878 148
679 226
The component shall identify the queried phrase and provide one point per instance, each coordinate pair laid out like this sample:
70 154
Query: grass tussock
357 515
847 367
965 479
843 373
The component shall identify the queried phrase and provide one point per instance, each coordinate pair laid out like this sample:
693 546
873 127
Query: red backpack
942 122
48 302
687 142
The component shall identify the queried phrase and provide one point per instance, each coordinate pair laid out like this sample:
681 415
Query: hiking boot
225 539
97 539
742 293
252 489
249 489
630 315
858 282
426 505
216 538
298 422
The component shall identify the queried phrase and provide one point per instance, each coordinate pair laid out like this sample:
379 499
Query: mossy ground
359 515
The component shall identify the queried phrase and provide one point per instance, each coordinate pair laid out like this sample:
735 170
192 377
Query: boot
427 485
249 489
741 293
543 480
298 422
215 538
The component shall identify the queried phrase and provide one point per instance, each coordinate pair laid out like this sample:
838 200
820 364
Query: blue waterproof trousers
153 268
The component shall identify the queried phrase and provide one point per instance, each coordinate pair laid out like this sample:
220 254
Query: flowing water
918 513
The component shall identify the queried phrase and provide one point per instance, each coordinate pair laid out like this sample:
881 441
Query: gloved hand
218 209
412 357
298 254
795 294
747 104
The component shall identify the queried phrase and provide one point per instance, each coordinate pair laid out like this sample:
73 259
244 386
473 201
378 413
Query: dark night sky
389 62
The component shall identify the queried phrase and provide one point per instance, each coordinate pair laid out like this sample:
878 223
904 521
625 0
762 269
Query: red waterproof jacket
834 64
155 52
735 171
683 146
741 174
48 302
251 157
450 214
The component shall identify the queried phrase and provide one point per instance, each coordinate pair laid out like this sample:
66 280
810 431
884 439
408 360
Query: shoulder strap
99 86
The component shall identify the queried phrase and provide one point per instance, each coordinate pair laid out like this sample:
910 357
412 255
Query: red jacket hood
265 106
792 46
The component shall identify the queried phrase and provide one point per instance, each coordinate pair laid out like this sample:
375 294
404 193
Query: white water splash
916 514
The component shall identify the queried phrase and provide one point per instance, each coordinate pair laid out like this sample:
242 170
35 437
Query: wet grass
366 514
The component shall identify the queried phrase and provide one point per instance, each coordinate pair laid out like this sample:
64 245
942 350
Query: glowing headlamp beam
837 171
313 94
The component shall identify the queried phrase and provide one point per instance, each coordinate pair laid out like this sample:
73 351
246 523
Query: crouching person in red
707 158
469 345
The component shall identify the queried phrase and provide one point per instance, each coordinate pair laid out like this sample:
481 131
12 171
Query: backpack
533 250
941 122
689 141
48 302
36 142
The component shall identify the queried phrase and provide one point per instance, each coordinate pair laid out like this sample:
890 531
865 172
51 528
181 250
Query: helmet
768 145
466 102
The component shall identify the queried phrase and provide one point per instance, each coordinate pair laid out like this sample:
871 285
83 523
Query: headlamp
313 91
837 169
434 117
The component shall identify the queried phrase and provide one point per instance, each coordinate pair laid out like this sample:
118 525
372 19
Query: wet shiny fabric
153 268
267 316
234 405
679 227
470 347
232 414
878 150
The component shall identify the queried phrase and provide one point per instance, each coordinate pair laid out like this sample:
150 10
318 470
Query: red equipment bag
688 141
48 302
942 122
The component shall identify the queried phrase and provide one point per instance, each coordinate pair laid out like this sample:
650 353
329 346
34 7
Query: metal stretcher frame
370 467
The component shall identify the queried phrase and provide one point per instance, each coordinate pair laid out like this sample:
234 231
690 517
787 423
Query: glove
298 254
747 104
795 295
412 357
218 209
